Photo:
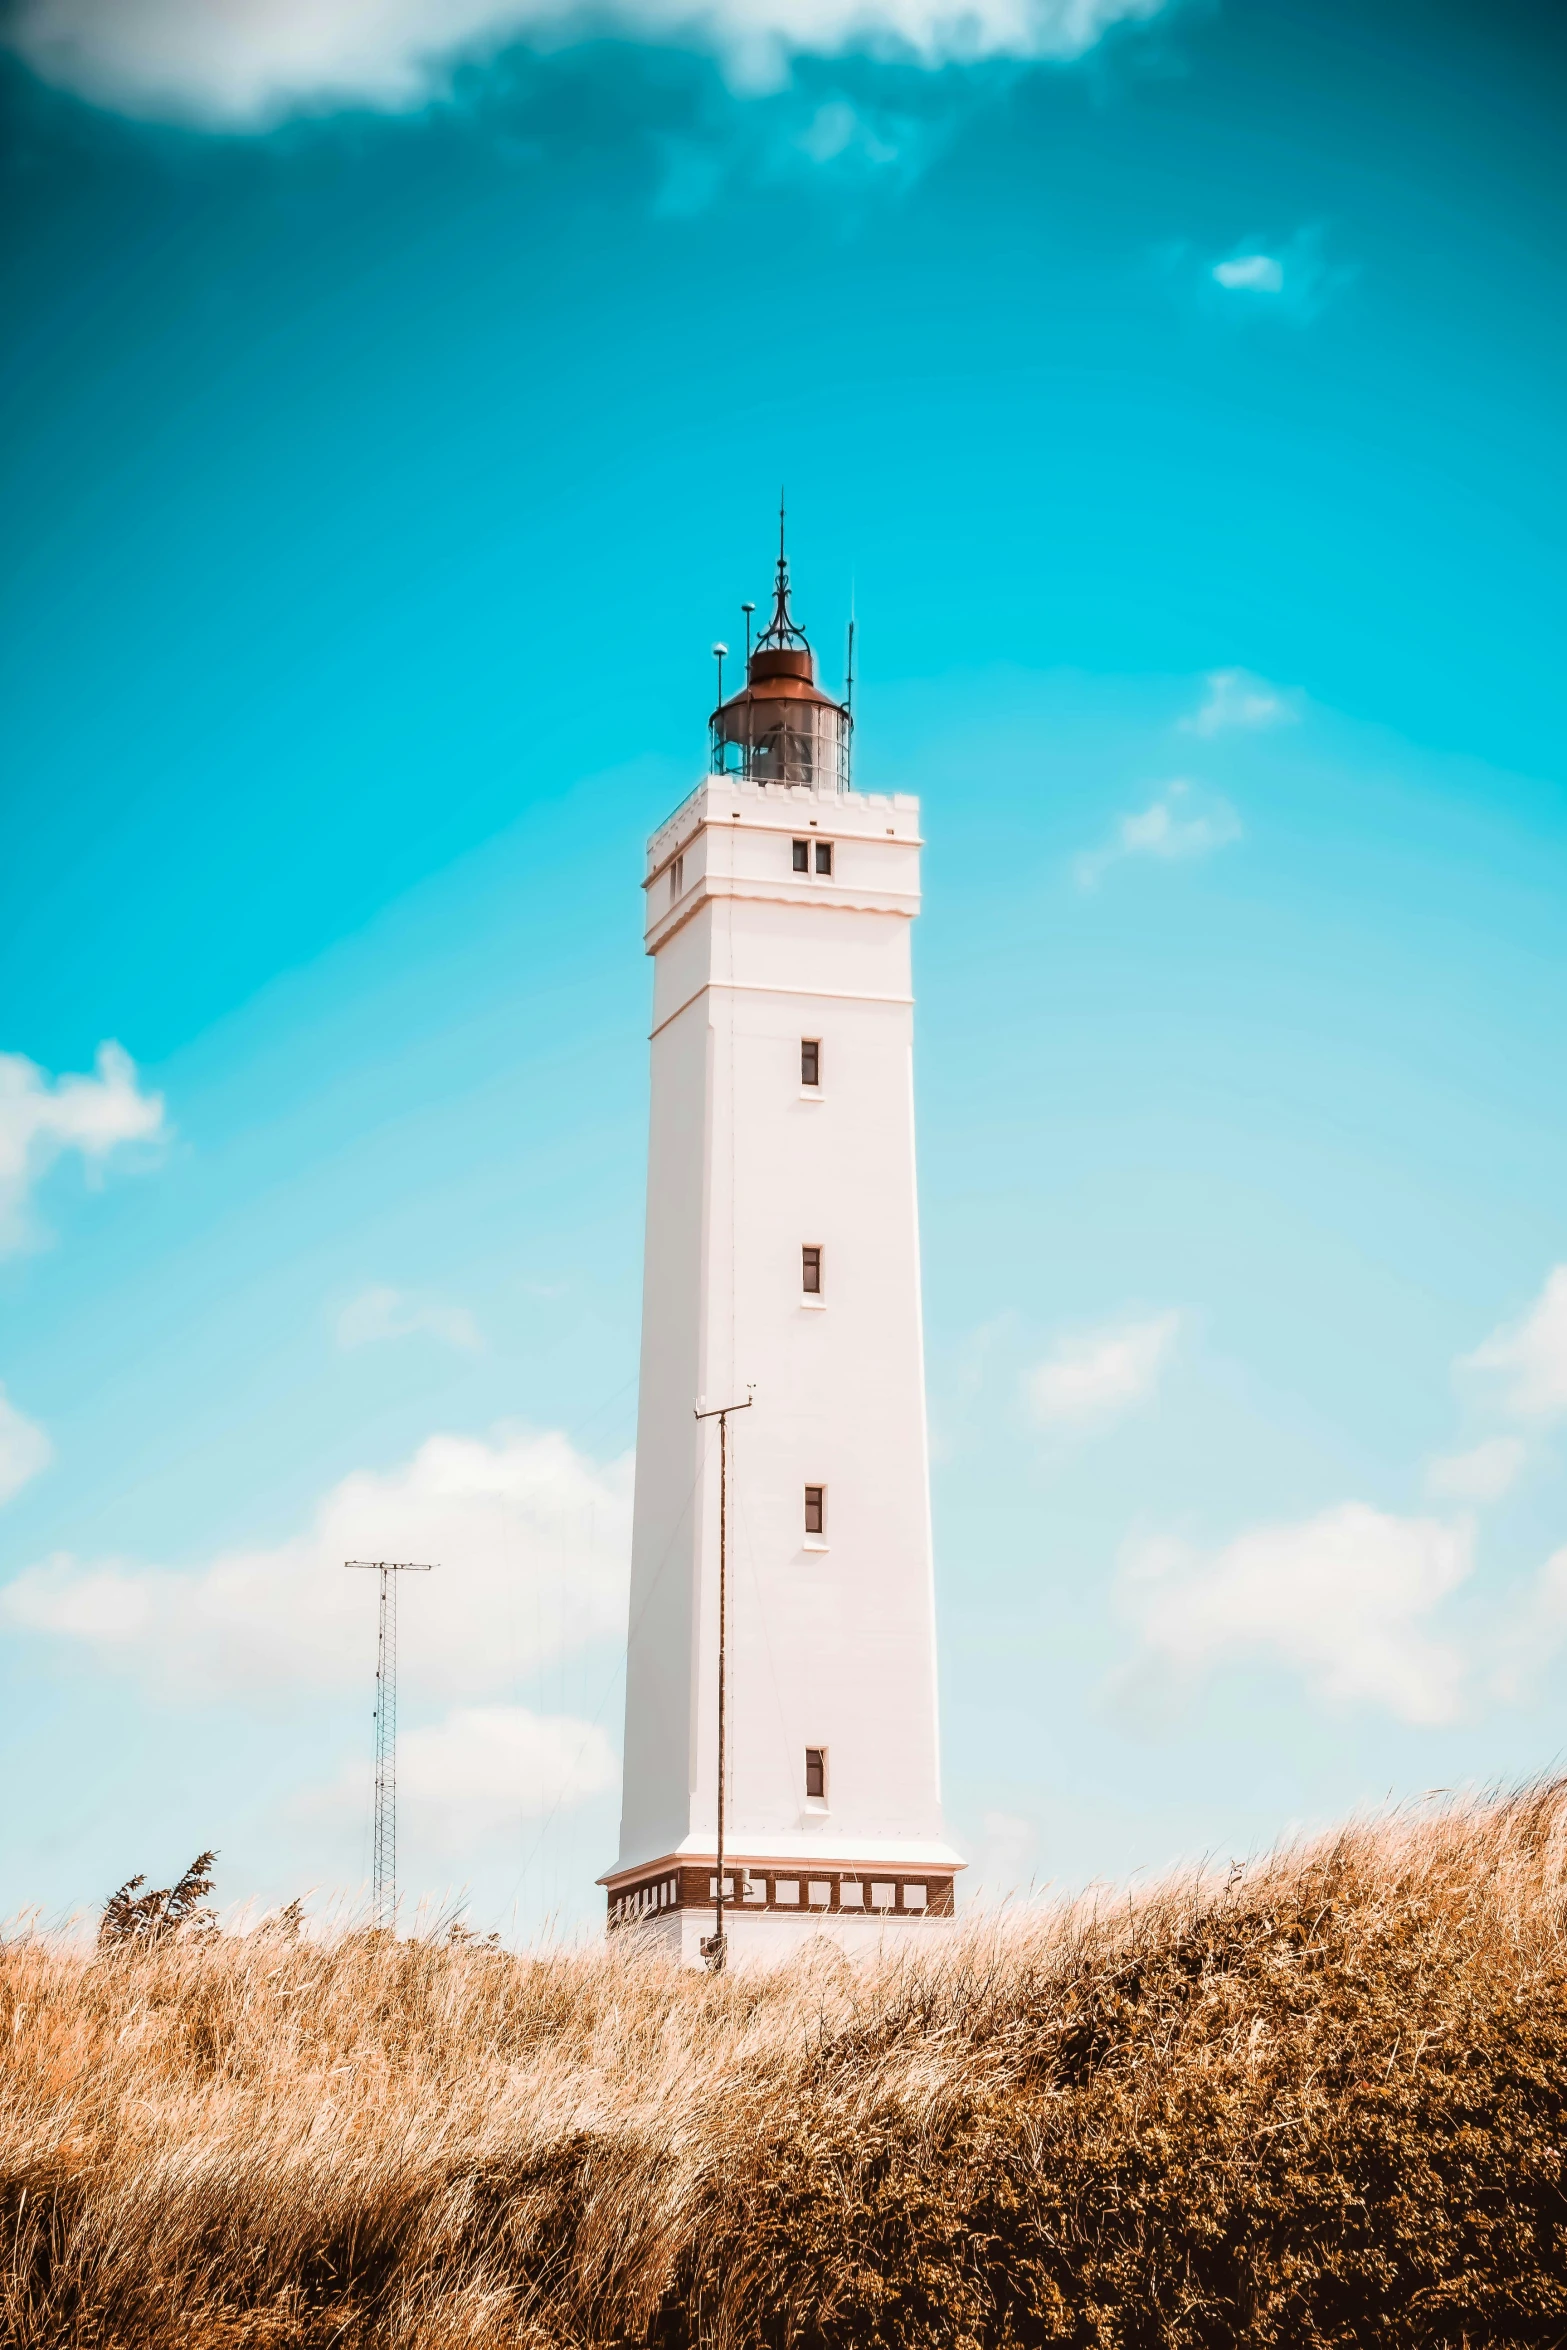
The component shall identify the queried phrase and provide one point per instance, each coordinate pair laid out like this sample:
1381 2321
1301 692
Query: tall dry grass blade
1319 2101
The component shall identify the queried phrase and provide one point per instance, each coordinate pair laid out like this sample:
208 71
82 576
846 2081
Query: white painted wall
753 1937
829 1646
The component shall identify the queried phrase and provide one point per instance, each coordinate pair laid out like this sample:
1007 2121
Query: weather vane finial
781 631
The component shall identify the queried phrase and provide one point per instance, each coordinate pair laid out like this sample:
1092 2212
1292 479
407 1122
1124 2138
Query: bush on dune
1320 2102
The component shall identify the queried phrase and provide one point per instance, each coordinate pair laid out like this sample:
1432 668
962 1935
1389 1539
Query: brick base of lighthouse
772 1909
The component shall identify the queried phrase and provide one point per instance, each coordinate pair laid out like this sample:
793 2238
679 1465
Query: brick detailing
795 1892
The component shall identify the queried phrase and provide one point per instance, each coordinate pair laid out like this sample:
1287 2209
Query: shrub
1319 2102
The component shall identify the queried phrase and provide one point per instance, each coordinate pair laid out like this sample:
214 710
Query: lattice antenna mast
383 1874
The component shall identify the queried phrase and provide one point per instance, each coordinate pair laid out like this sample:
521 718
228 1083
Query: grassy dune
1320 2102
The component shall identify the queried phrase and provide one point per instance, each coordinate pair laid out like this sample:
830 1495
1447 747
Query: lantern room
780 728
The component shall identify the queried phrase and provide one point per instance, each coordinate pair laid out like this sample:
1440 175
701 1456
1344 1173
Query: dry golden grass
1319 2103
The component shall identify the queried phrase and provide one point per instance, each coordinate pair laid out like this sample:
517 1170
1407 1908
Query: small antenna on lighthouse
848 703
718 655
383 1875
745 748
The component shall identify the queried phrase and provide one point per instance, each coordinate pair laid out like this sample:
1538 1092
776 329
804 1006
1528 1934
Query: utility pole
715 1946
383 1896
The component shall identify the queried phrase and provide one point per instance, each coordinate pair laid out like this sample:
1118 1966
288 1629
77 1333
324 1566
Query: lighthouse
781 1571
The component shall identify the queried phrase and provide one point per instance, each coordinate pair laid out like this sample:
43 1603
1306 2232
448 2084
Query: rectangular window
811 1271
786 1893
913 1896
677 878
810 1060
802 856
815 1508
816 1774
820 1893
851 1894
824 856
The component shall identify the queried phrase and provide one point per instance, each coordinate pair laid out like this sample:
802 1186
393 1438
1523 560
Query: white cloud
1483 1474
1165 830
1290 278
465 1781
1237 699
1529 1357
837 129
379 1314
1250 273
1343 1599
242 63
1004 1863
1532 1638
24 1449
40 1119
1182 823
1100 1373
467 1778
532 1541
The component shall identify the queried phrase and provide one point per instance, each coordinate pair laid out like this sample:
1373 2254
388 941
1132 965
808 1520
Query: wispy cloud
465 1780
1346 1600
1518 1374
379 1314
41 1118
837 130
1524 1365
1096 1375
1235 699
1484 1473
1288 278
1250 273
241 66
1183 823
1353 1599
1533 1638
532 1539
1004 1863
24 1449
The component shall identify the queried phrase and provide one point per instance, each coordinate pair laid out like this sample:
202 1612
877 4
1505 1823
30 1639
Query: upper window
815 1509
816 1774
811 1271
810 1060
677 878
802 856
824 856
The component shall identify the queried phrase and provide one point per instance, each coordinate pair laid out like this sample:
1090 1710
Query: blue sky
388 431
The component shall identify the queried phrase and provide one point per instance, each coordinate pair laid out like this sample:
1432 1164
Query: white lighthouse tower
782 1265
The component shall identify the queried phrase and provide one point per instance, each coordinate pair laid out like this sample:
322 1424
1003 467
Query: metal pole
723 1663
847 783
715 1949
716 730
